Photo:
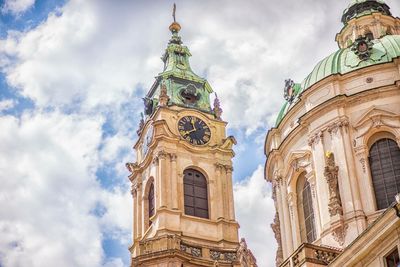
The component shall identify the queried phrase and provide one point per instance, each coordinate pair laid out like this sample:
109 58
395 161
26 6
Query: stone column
174 183
229 188
224 193
318 154
350 196
163 176
278 200
139 211
216 193
365 181
294 218
135 222
286 220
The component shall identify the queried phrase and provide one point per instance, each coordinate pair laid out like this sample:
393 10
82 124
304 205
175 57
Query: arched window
195 193
384 162
151 202
305 210
369 35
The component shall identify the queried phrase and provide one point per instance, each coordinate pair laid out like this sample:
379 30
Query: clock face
194 130
147 140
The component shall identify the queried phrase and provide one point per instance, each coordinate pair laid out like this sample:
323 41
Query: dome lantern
369 19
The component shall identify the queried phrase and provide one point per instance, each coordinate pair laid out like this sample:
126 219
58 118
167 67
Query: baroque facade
333 157
182 189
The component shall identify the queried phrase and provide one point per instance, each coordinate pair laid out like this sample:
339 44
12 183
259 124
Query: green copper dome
346 60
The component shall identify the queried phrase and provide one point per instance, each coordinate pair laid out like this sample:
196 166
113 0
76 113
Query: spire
175 27
177 84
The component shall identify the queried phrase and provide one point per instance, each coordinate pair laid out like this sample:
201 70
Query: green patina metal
359 8
178 76
344 61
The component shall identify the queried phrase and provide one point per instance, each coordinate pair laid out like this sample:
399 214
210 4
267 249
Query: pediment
297 161
373 114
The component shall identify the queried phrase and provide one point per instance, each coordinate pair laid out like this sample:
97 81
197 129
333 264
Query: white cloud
255 212
17 7
49 191
7 104
95 57
95 53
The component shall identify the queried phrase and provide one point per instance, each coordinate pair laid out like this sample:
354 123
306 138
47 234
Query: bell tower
182 179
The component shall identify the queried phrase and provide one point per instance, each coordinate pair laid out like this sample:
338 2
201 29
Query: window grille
384 162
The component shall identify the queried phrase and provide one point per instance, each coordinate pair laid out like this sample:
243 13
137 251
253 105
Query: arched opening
151 202
195 193
384 162
369 35
305 210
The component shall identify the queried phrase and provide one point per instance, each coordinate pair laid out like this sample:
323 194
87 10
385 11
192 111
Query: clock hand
192 121
188 132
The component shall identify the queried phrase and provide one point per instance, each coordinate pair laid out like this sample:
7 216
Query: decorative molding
227 168
132 167
217 108
162 154
339 233
311 181
223 255
335 126
244 255
215 255
163 97
363 164
331 176
331 128
173 157
325 256
194 251
376 118
315 138
277 232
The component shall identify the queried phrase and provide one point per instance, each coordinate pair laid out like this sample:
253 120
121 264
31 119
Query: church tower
183 209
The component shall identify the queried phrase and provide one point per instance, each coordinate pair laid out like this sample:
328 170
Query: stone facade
163 233
325 136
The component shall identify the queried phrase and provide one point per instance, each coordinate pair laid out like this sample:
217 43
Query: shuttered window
151 202
308 213
195 193
384 162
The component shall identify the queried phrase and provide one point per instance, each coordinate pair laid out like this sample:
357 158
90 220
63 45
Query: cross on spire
173 12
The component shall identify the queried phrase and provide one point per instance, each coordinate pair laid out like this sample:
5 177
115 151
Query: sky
72 74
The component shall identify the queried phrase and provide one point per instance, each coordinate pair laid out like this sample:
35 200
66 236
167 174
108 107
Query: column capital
219 166
162 154
229 169
173 157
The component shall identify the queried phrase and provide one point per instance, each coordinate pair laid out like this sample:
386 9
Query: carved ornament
163 97
331 176
277 232
339 233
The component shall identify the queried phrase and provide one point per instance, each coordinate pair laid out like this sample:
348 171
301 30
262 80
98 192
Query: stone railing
311 254
174 244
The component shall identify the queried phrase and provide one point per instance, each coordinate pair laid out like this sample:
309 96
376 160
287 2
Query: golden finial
174 27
